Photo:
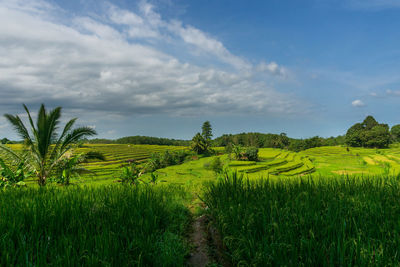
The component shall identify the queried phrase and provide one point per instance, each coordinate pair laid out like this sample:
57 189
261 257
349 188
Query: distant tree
378 136
251 153
200 144
395 133
206 130
354 135
283 140
369 133
4 141
369 123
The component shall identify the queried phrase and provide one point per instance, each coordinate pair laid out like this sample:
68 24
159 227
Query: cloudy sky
162 67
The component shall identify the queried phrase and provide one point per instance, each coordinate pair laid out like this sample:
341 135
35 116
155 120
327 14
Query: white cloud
100 67
357 103
373 94
393 92
272 68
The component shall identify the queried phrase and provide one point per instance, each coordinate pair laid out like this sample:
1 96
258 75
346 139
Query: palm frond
66 130
19 127
34 131
74 136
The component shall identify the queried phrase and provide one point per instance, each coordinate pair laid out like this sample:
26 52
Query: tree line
140 140
281 141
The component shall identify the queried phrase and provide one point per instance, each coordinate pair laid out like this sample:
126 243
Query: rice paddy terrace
321 161
118 155
275 162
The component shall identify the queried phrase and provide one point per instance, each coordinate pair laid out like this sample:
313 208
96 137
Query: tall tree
395 132
369 133
206 131
199 144
44 146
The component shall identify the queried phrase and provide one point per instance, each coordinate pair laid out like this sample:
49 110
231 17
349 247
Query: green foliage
43 144
237 151
106 226
206 131
153 178
130 174
165 159
248 153
307 221
148 140
216 165
200 145
4 141
71 166
369 133
10 177
251 153
395 133
276 141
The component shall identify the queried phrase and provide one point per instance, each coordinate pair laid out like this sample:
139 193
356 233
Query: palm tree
43 144
199 144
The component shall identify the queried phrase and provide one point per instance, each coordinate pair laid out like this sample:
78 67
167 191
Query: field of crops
116 156
335 221
354 161
325 161
275 162
321 206
111 225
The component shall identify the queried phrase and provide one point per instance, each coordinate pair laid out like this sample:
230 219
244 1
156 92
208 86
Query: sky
163 67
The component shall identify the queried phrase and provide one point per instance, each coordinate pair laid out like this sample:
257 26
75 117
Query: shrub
251 153
216 165
130 174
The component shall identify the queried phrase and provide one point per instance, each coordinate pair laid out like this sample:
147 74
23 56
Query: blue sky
161 68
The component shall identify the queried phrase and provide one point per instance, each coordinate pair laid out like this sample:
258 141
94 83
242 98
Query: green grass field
274 163
322 206
336 221
93 226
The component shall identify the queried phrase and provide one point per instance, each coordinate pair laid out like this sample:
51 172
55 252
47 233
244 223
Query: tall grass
307 221
107 226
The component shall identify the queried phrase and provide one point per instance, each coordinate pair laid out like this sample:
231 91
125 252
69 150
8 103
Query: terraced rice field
116 156
354 161
275 162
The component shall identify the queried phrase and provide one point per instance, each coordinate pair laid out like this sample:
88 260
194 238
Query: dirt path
199 257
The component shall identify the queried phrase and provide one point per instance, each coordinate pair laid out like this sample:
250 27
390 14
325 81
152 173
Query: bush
168 158
216 165
251 153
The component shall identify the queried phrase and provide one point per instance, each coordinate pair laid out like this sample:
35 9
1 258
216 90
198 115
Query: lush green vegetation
44 148
106 226
369 133
261 140
307 221
291 208
141 140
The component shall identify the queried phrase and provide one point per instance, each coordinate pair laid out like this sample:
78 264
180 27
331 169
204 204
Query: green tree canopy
369 133
200 144
206 130
395 132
